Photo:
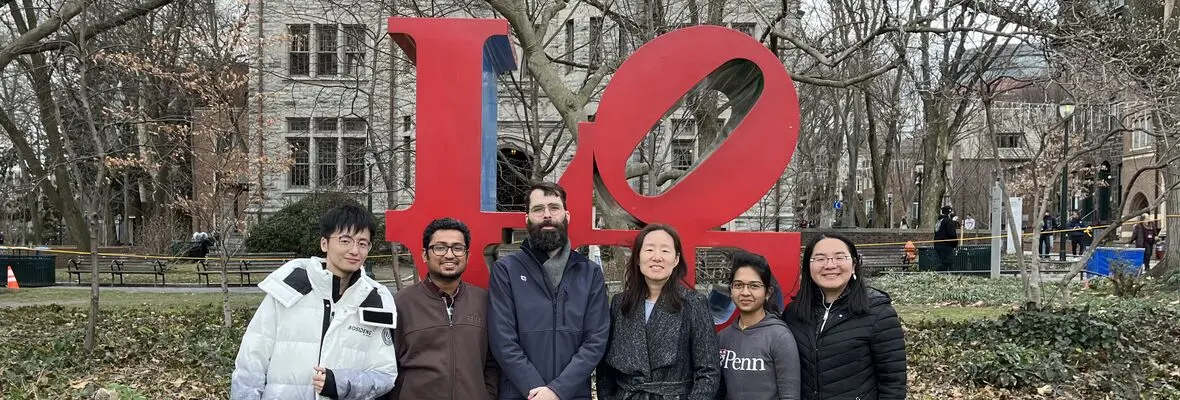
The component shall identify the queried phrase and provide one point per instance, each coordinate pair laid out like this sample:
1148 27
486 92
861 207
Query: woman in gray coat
662 343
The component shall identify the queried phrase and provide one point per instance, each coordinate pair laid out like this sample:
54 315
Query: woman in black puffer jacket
849 338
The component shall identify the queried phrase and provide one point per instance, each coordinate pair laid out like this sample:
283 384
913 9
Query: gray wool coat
672 356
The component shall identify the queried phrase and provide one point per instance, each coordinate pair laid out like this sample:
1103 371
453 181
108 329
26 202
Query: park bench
139 266
81 265
883 258
118 268
244 266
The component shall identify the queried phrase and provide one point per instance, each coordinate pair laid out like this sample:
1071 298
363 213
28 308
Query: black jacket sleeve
889 359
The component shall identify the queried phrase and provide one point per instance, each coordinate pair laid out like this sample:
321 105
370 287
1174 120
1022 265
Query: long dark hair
809 294
745 259
635 287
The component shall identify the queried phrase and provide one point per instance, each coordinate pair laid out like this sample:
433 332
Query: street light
1065 111
918 181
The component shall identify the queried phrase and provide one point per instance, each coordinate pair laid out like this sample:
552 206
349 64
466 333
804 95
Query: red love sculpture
728 182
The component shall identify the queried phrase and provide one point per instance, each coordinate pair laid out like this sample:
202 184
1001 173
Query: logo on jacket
730 360
387 336
524 278
363 331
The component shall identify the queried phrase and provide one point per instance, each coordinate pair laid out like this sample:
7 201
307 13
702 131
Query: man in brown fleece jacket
441 338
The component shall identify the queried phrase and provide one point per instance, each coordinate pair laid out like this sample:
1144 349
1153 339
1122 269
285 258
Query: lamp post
918 181
1064 110
889 206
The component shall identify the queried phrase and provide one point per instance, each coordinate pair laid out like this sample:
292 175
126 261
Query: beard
548 240
448 277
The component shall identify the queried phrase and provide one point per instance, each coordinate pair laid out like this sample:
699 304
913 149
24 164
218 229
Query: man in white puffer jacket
324 330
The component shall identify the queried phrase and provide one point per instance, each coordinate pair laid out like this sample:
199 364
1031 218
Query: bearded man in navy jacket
548 316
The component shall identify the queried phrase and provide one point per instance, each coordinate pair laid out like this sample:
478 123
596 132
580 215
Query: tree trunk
227 316
935 147
92 322
1171 259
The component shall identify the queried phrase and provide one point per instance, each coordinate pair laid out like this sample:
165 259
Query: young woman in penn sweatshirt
759 358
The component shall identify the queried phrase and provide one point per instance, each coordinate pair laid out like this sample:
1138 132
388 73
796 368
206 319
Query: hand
542 393
317 379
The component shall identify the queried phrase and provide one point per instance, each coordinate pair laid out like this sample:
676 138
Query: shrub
1127 349
930 288
1125 281
295 228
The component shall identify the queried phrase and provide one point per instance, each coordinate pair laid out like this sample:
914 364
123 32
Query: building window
595 43
299 125
301 162
354 49
326 156
355 126
326 168
569 46
407 161
683 127
326 45
683 152
300 51
325 126
407 122
354 162
1141 135
337 50
1009 140
744 27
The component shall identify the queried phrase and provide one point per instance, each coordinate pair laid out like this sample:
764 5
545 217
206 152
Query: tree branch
28 43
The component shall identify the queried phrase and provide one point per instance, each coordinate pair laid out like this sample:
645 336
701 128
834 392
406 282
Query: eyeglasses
441 249
740 286
840 259
540 209
349 242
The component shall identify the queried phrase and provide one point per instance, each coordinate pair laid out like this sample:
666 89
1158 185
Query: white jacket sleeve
250 367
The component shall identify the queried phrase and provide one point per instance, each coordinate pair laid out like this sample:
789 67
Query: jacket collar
433 289
326 284
658 336
336 281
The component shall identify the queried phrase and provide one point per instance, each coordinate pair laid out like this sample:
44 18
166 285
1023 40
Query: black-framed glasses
441 249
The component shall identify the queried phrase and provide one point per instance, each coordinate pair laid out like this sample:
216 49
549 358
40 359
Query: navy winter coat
543 338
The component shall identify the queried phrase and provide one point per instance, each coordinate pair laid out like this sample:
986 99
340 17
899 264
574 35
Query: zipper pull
449 304
825 323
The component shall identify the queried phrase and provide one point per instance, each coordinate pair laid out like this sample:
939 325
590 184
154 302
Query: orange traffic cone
12 284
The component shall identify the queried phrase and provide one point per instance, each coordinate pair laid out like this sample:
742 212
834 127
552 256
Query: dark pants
1079 245
1045 248
1147 256
946 259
